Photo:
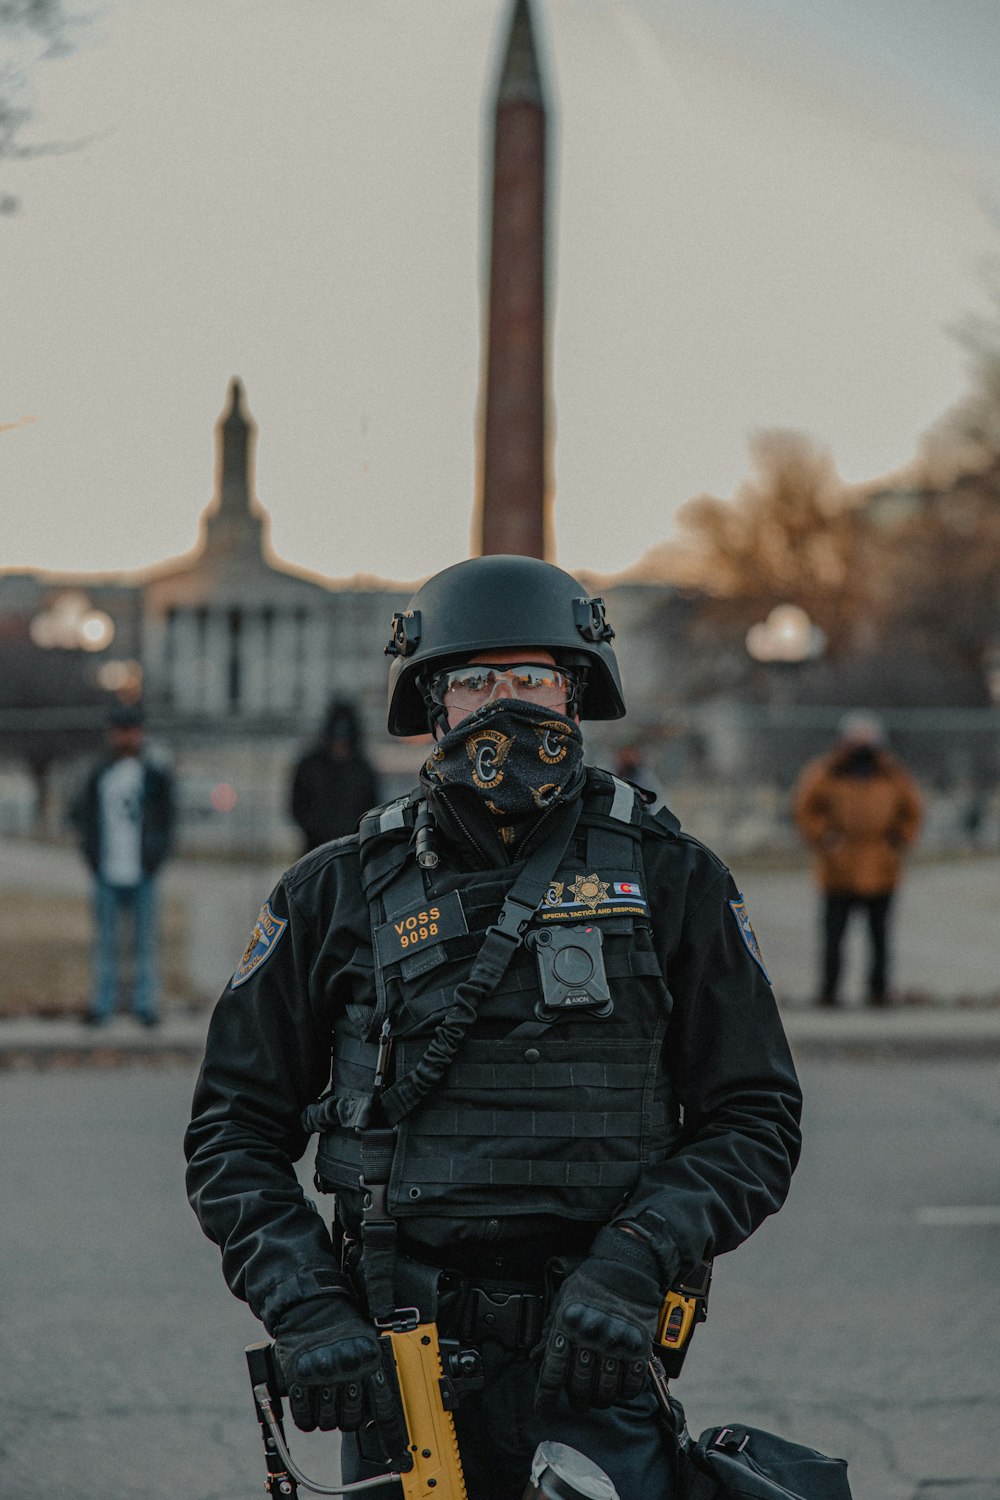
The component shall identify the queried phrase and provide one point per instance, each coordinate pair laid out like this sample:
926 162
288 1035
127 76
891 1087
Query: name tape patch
265 937
420 926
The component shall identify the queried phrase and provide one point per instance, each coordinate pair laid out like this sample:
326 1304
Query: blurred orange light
224 798
121 677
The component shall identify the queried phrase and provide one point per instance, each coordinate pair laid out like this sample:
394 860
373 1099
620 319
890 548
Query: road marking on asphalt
959 1216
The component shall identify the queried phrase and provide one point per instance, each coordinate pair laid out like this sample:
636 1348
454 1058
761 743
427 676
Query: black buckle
513 1318
501 943
521 914
375 1205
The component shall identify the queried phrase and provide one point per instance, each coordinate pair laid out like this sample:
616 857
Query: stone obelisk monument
514 468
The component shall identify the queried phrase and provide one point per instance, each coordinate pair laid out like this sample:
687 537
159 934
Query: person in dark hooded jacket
334 783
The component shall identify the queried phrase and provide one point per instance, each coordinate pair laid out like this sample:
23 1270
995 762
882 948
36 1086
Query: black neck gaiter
518 759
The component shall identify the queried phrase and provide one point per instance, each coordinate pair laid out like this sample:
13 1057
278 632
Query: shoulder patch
738 907
267 933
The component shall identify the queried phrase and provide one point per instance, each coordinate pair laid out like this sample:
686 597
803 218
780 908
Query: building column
316 666
215 665
253 649
184 665
284 662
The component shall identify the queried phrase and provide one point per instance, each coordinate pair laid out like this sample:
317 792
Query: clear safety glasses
471 687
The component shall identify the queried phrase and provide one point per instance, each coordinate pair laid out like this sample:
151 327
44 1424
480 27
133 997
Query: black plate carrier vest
533 1117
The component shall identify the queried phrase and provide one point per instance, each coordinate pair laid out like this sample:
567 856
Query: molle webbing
499 945
526 1118
560 1125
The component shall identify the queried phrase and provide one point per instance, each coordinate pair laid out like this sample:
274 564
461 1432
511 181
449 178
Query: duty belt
471 1312
468 1311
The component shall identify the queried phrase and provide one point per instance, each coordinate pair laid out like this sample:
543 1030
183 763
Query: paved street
861 1320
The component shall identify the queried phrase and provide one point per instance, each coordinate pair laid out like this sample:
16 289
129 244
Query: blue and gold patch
739 911
585 896
263 940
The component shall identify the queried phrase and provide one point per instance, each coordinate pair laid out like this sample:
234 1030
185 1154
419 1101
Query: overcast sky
765 213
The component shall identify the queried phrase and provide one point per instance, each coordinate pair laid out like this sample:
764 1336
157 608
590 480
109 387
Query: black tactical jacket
158 816
720 1133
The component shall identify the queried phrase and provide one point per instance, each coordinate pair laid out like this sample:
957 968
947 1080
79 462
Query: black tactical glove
330 1360
601 1332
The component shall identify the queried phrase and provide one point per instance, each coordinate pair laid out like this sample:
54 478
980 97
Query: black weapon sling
392 1104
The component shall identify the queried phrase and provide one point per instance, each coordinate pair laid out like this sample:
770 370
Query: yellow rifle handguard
437 1467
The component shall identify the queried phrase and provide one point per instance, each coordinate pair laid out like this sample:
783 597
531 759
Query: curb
931 1034
28 1042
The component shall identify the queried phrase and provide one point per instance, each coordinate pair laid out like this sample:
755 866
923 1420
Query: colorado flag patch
739 911
263 940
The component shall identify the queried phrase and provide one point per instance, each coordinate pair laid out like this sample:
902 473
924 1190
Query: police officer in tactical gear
528 1021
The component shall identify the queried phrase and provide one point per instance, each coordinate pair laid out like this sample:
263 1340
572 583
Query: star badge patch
589 889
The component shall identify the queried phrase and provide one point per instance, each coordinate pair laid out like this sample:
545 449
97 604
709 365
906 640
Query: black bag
747 1463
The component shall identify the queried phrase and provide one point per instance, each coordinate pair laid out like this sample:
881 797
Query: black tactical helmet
492 603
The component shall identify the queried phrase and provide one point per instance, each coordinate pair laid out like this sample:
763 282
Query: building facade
236 655
234 637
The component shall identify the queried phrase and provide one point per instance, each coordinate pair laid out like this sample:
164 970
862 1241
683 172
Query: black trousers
837 908
498 1431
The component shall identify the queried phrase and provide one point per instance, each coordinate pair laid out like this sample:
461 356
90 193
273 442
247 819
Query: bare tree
791 535
30 30
942 577
967 438
942 573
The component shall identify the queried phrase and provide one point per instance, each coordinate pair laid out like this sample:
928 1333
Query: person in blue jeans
124 815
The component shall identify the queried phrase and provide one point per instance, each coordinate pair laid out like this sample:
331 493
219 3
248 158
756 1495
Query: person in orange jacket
859 810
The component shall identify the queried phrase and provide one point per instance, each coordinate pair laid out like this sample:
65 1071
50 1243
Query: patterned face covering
519 758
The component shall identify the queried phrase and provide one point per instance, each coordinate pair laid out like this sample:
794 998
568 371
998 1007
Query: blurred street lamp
71 623
787 637
97 631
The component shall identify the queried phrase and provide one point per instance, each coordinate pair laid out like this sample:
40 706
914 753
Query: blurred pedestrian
973 815
334 782
124 814
859 810
630 765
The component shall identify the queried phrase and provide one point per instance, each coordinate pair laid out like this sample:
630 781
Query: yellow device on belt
684 1307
